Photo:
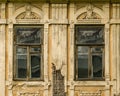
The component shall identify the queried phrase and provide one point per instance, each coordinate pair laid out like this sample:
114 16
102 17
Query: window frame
90 46
28 46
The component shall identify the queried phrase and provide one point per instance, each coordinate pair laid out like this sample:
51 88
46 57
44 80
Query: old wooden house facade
59 48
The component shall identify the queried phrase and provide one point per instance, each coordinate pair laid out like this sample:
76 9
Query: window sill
93 79
17 79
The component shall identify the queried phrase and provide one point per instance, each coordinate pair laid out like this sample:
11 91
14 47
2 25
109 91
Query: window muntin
28 52
89 41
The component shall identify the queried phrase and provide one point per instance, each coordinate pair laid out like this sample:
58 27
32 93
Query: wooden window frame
90 46
28 46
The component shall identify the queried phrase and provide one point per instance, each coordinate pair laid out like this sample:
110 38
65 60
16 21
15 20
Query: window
89 51
28 52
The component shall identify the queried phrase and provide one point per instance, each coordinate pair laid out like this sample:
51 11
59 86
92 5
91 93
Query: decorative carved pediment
92 15
89 13
30 15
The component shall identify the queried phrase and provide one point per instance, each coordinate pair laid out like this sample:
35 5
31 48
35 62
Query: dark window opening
28 52
89 49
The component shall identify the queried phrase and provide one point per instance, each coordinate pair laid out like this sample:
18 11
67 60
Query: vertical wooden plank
10 46
118 55
71 50
2 51
2 60
45 50
114 11
117 11
113 73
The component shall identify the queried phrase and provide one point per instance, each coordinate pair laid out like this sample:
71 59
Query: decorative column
2 49
71 49
9 49
113 48
46 66
115 35
107 50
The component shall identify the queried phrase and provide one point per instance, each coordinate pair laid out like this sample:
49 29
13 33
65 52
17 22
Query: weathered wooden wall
59 22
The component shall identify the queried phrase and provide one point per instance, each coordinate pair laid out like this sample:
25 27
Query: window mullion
89 63
76 49
103 62
28 63
15 61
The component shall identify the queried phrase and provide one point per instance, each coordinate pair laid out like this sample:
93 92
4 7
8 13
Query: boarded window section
89 52
28 54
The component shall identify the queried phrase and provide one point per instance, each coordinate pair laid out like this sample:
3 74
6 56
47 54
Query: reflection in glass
82 62
35 49
35 66
97 65
97 50
21 62
90 34
28 35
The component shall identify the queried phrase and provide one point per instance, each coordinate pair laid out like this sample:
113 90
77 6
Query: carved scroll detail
58 82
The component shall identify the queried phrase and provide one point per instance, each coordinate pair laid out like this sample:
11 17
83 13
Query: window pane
35 49
35 66
82 62
97 50
21 59
89 34
97 65
27 35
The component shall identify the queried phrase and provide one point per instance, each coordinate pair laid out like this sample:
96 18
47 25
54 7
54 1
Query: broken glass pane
21 62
